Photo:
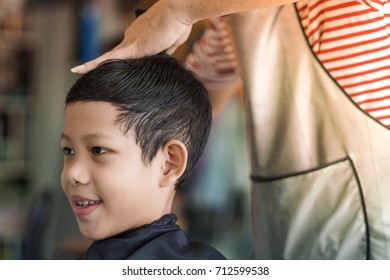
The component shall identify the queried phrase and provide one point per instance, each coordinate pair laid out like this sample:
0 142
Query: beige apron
320 165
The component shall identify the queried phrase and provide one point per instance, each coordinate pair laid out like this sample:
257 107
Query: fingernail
77 69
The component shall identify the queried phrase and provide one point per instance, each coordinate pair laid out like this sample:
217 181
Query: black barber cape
160 240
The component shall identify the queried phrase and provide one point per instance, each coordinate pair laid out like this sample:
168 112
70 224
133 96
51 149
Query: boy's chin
93 234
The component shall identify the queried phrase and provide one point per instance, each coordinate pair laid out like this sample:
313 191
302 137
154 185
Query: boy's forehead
92 117
96 110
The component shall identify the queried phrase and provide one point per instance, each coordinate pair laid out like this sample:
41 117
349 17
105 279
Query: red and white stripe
352 40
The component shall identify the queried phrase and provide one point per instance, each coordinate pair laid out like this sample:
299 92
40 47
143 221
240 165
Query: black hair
157 97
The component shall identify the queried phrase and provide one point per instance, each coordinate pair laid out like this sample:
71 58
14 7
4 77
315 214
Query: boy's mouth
86 203
83 206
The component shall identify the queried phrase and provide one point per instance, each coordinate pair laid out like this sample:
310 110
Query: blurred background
40 40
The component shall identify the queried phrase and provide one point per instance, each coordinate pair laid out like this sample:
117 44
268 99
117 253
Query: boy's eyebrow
87 136
64 136
96 135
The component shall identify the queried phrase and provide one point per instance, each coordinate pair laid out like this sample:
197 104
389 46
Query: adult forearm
192 11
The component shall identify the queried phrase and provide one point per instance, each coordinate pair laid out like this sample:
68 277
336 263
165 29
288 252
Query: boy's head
133 131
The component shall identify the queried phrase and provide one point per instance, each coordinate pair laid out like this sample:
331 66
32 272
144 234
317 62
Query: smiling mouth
86 203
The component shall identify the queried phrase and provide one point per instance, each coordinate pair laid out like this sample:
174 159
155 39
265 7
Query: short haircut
157 97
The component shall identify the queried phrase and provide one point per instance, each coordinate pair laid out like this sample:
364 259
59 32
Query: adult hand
167 24
160 28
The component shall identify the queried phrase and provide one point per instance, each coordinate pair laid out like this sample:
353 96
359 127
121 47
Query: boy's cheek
63 179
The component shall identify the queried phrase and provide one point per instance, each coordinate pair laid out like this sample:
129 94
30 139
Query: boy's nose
74 181
77 174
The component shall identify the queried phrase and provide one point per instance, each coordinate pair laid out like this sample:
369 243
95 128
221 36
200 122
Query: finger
90 65
171 50
179 42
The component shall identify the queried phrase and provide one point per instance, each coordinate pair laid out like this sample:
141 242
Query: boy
133 130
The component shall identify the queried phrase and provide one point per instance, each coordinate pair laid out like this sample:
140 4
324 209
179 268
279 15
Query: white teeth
85 203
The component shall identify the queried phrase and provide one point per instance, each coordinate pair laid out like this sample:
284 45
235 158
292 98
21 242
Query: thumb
92 64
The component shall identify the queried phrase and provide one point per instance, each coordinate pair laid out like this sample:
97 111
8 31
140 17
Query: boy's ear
175 162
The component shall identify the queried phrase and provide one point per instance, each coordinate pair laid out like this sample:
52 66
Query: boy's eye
67 151
98 150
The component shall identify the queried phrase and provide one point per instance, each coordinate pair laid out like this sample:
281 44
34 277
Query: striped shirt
352 41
